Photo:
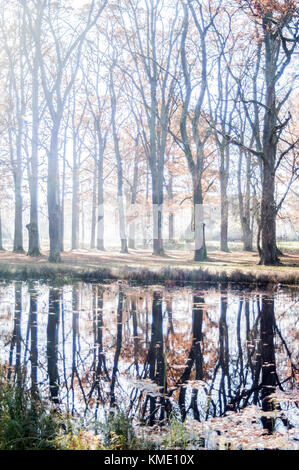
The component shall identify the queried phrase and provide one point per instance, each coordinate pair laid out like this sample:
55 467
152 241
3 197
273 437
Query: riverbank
141 266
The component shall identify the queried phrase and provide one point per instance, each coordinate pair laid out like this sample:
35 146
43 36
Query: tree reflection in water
119 329
33 323
206 352
52 343
16 339
194 359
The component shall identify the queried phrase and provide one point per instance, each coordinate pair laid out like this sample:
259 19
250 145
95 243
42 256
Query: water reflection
197 354
16 339
33 323
52 343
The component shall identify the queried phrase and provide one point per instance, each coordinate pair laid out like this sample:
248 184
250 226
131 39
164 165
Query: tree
150 43
191 116
278 33
34 21
119 165
16 105
96 82
65 47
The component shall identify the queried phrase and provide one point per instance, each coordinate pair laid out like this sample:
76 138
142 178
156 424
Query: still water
152 351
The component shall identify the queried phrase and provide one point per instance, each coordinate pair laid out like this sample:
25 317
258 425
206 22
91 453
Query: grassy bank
141 266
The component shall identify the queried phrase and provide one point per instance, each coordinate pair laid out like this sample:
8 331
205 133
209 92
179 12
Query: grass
120 434
25 420
29 422
141 266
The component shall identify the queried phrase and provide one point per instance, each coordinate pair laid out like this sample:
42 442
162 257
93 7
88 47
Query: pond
156 352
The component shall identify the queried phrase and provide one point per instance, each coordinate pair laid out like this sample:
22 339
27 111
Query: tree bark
157 198
132 235
54 210
100 224
223 174
200 251
244 206
18 227
268 207
120 201
268 217
132 226
75 198
93 209
170 213
33 231
1 243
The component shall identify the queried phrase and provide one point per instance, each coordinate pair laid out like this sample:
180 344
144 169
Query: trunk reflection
187 352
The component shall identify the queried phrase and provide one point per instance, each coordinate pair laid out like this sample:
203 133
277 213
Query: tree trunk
82 226
93 210
120 202
18 229
54 211
157 198
268 207
224 216
63 191
100 224
244 208
146 216
132 235
200 251
268 217
247 236
170 214
224 202
75 199
132 226
33 232
1 245
122 229
18 173
171 227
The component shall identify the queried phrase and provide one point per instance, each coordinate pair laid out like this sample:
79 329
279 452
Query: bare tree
278 36
191 116
16 105
33 23
153 74
65 47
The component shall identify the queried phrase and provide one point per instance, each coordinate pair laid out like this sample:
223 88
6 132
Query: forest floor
235 266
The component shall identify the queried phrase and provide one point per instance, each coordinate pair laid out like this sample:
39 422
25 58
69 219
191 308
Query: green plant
176 435
118 431
25 421
81 440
